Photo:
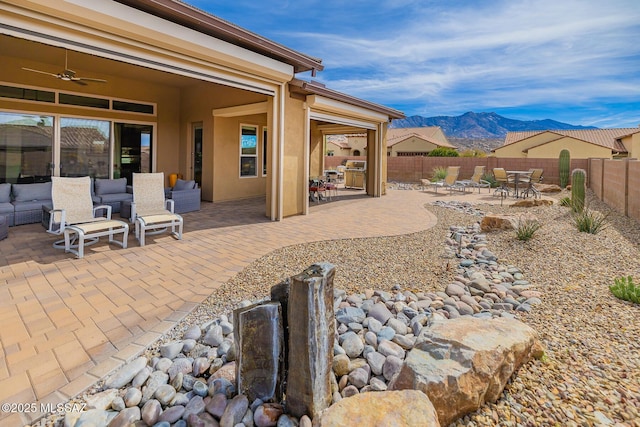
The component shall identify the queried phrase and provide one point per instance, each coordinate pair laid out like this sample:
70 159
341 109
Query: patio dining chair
450 181
534 178
150 211
74 216
476 180
504 181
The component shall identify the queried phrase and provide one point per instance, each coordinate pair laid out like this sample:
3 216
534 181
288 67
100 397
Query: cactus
578 189
564 165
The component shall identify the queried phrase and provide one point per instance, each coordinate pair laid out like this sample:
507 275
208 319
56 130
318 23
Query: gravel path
590 374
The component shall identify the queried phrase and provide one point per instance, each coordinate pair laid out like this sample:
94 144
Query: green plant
564 163
439 173
473 152
490 179
625 289
578 189
565 201
588 221
526 229
443 152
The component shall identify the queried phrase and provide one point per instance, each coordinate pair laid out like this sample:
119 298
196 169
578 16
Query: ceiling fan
67 75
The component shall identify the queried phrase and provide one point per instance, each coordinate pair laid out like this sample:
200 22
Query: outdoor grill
355 174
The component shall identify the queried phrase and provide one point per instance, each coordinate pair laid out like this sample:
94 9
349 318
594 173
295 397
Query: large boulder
548 188
529 203
462 363
493 222
405 408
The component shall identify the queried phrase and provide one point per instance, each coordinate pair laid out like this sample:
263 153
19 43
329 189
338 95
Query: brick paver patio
66 322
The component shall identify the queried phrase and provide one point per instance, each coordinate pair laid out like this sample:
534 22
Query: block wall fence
616 182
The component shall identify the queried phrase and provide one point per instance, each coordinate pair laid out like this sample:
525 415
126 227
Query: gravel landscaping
590 375
591 369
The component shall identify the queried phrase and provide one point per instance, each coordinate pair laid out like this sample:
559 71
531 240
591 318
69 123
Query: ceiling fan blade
91 80
41 72
78 81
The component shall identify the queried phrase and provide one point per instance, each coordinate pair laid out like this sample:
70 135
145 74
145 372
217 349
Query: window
248 150
26 143
83 101
84 147
134 107
264 151
27 94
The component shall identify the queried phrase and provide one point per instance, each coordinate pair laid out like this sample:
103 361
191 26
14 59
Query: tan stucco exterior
577 149
411 145
192 79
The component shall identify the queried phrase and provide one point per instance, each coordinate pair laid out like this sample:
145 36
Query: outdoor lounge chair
476 180
150 210
74 216
449 182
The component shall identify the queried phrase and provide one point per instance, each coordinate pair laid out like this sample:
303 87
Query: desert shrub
490 179
625 289
589 221
439 172
444 152
526 229
473 152
565 201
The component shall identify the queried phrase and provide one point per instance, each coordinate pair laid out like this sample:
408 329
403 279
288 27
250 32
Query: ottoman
4 227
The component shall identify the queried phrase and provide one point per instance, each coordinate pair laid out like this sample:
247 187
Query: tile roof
428 133
609 138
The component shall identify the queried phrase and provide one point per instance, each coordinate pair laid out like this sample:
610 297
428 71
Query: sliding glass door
26 148
133 149
84 147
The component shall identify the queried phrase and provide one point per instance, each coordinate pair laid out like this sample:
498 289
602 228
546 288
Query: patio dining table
516 179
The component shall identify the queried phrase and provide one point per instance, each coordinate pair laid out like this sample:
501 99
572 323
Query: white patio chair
150 211
74 216
449 182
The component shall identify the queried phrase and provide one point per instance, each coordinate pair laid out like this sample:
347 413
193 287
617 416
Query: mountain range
485 131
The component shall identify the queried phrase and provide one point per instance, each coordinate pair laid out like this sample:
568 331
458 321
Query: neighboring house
400 142
179 91
582 144
415 141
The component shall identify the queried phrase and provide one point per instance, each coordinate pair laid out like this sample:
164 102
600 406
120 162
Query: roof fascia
186 15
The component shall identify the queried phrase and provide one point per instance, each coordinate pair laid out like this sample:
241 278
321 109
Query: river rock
234 412
124 375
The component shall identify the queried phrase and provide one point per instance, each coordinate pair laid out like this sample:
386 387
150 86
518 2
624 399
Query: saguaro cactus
578 189
564 165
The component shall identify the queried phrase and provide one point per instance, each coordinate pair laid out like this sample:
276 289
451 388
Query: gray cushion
5 192
30 192
184 185
6 208
32 205
110 186
110 198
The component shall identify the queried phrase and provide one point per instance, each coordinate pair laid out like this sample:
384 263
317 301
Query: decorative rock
126 417
359 377
156 379
376 361
132 397
195 406
214 336
142 377
200 389
164 394
498 347
171 350
234 412
391 367
123 376
151 412
216 405
118 404
194 332
380 312
101 400
172 414
267 415
389 348
492 222
352 345
350 314
401 409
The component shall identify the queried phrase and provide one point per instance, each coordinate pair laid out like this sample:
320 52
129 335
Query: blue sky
575 61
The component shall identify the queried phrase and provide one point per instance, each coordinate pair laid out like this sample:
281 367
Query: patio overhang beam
201 21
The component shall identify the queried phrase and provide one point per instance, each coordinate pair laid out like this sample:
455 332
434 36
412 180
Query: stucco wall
295 190
577 149
198 102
